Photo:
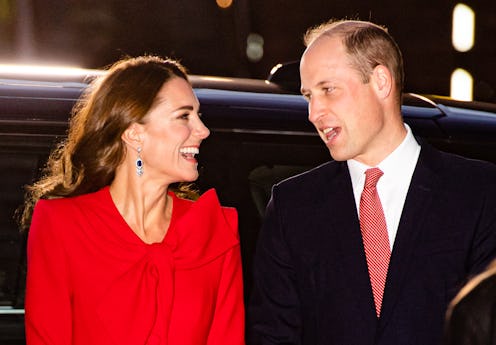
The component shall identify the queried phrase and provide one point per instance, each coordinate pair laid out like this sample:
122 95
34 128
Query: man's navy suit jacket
311 281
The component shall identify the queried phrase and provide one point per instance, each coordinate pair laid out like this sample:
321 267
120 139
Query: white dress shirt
393 186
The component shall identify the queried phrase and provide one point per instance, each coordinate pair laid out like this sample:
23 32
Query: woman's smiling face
172 134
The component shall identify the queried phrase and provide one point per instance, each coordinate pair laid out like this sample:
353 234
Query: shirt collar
403 158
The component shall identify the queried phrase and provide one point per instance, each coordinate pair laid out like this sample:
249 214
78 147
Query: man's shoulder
311 173
456 170
314 178
451 162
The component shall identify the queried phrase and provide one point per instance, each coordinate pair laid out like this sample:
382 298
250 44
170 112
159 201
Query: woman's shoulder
65 217
204 225
207 202
208 208
67 206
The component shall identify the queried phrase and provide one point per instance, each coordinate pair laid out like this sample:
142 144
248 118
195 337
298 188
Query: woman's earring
139 164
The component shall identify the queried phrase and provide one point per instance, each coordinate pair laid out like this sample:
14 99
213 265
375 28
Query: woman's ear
133 135
382 80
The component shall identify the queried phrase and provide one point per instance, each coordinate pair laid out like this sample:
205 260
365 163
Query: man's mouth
330 133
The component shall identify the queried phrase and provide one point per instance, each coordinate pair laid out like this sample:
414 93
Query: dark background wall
211 40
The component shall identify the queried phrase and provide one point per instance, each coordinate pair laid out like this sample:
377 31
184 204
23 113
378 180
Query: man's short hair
367 45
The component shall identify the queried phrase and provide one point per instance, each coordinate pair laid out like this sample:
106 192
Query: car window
257 140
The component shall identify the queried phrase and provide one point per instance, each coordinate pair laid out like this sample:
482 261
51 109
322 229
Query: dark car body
260 134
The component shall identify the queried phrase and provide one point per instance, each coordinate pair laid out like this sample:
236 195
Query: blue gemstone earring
139 164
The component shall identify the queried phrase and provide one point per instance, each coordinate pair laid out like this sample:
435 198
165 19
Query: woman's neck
145 206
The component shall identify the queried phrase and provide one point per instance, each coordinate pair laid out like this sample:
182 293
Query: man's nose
316 108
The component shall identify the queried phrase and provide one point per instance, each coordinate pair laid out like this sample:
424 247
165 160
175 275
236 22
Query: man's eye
307 96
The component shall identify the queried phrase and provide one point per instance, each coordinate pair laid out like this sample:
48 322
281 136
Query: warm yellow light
462 84
275 68
224 3
463 32
6 69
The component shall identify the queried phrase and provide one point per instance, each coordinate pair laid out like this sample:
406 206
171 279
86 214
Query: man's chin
338 156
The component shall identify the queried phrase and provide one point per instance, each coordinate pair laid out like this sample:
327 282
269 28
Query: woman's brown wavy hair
87 159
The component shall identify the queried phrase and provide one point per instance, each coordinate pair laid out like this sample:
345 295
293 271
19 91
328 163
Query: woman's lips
189 152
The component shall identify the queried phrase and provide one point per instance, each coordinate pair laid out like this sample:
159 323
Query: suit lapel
414 216
350 253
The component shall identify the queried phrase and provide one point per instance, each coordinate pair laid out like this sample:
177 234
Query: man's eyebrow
319 84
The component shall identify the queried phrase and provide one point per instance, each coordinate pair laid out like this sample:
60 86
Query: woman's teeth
189 151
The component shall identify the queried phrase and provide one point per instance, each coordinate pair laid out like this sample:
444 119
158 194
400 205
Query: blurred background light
92 34
5 10
462 84
224 3
275 68
6 69
254 47
462 35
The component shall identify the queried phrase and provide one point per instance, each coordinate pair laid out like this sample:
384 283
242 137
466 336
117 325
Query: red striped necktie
374 235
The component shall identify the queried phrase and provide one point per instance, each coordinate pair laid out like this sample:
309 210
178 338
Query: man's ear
133 135
382 80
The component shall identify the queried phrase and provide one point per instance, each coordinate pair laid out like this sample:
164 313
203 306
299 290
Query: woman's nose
201 130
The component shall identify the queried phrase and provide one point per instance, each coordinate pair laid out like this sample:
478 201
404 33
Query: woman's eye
184 116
